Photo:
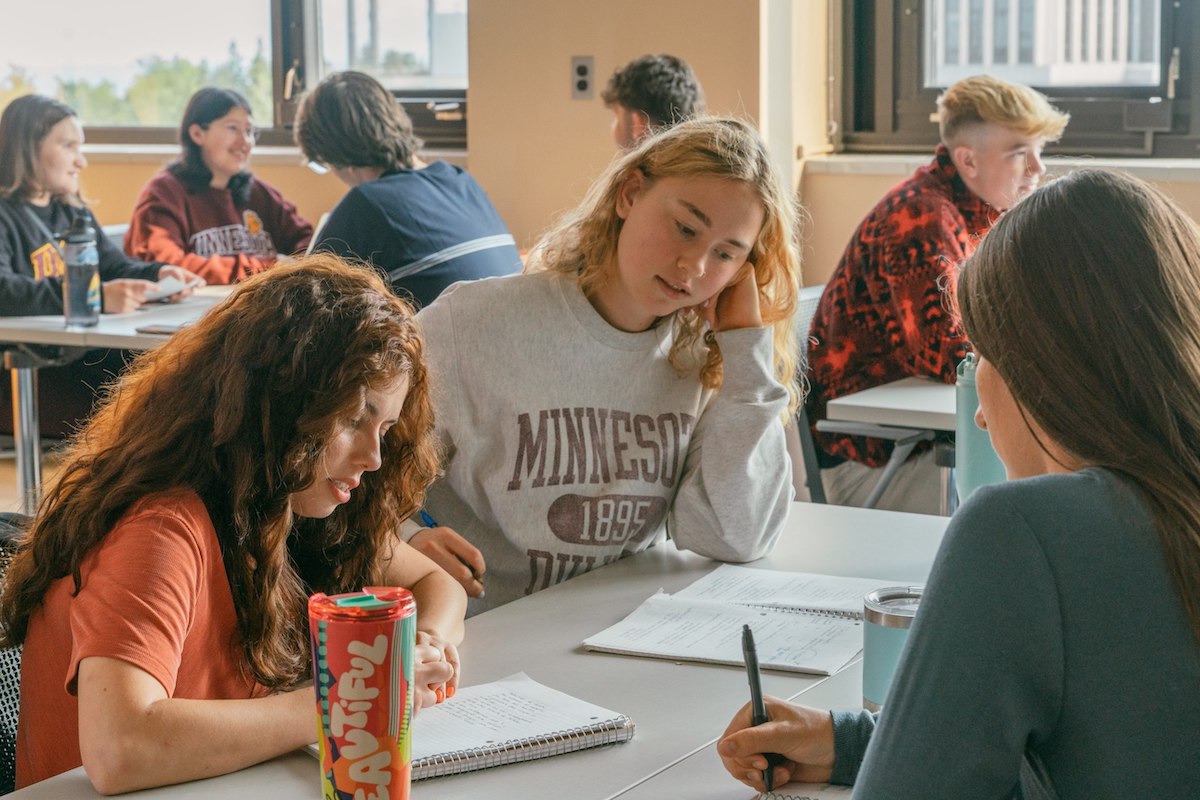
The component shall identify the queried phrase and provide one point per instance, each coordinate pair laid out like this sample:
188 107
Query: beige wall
112 183
535 149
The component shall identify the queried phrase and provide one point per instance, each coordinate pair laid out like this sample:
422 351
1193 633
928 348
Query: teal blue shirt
1050 631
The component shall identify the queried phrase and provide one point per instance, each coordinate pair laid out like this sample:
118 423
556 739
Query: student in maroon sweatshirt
206 211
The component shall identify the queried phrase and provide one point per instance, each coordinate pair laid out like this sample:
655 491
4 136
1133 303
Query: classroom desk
907 403
679 708
701 776
112 331
916 406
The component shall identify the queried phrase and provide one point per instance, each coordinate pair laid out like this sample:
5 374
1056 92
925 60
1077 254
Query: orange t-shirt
154 594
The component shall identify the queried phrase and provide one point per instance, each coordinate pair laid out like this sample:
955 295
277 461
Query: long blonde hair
583 242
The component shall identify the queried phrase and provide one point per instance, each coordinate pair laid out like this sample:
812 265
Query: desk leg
900 454
949 491
26 437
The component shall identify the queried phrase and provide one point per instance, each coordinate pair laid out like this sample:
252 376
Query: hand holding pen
768 733
450 551
758 708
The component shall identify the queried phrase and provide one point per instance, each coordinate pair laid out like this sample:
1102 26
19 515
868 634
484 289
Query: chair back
810 298
115 233
12 526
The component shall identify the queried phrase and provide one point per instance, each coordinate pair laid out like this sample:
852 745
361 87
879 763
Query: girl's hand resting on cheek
735 306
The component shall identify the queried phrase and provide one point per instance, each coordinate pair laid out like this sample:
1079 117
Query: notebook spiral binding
815 612
512 751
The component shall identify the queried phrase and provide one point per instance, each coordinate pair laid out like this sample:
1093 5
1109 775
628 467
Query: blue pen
429 522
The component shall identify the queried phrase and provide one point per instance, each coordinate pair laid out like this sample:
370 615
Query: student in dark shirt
40 164
424 224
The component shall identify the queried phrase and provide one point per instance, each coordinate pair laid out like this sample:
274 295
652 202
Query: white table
680 708
701 776
907 403
112 331
908 411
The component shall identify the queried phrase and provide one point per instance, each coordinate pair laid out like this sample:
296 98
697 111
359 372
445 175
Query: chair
116 233
11 527
810 298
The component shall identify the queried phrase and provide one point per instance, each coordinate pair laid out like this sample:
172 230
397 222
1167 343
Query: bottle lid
892 606
363 601
373 602
967 367
81 231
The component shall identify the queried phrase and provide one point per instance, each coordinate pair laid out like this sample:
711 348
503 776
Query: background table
908 411
909 403
112 331
679 707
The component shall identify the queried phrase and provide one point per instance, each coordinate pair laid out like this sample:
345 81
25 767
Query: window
407 45
118 74
416 48
130 81
1126 70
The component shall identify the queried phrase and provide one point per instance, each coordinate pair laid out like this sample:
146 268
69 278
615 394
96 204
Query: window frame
882 106
438 115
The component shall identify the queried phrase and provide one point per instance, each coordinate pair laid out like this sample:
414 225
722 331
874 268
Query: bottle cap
364 600
81 231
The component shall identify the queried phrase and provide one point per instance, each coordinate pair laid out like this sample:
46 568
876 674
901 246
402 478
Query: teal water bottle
975 462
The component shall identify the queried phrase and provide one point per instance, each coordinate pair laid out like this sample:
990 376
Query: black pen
430 522
758 708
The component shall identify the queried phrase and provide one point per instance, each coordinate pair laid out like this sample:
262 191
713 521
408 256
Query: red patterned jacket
884 315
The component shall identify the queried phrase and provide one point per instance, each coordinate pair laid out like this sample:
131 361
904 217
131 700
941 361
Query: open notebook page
691 629
511 709
730 583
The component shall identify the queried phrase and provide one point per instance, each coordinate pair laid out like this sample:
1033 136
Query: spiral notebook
807 791
806 592
506 721
802 622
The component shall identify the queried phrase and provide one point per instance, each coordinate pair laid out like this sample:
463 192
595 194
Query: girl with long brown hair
267 452
1056 652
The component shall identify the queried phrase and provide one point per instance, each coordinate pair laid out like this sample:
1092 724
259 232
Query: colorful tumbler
362 645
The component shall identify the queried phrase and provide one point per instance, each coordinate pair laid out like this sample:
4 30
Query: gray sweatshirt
570 444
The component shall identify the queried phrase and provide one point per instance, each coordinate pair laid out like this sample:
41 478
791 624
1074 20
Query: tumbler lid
892 606
382 602
363 600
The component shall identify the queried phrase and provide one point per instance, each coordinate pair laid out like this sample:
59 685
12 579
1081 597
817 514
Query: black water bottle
81 284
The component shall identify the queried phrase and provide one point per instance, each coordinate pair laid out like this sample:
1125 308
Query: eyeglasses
233 129
317 167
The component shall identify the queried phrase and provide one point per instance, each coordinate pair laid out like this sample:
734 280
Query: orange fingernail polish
441 695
